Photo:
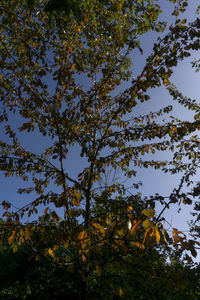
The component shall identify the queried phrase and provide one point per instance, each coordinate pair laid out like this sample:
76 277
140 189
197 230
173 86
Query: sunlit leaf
82 235
149 213
11 238
157 234
51 252
135 227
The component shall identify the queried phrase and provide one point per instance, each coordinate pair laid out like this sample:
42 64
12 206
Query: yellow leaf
166 81
82 235
11 238
147 223
116 244
98 227
121 232
14 248
73 67
130 208
78 194
157 234
107 221
121 292
51 253
84 259
149 213
70 49
20 241
139 245
135 227
183 21
77 198
27 233
146 235
66 244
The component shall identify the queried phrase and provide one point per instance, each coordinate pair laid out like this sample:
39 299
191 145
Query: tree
43 57
139 272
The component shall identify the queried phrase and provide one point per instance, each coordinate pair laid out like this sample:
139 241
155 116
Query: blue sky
186 80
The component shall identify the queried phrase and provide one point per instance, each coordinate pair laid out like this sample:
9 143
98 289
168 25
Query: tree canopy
66 74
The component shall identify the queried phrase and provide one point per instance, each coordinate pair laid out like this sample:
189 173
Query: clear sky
186 80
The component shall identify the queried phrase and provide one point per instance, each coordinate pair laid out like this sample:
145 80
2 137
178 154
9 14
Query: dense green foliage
141 275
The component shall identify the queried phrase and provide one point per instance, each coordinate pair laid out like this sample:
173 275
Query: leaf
45 211
157 234
121 231
14 248
55 216
84 259
66 244
166 81
82 235
175 235
61 201
139 245
189 259
148 213
77 197
73 67
51 252
27 233
197 116
135 227
99 227
130 208
121 292
147 223
6 205
70 49
11 238
147 239
192 249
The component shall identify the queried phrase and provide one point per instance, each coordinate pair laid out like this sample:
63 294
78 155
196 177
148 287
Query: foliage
67 6
194 224
140 273
44 57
